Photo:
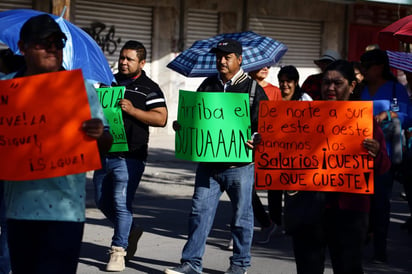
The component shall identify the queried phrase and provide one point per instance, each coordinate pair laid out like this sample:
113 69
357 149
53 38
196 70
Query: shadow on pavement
162 205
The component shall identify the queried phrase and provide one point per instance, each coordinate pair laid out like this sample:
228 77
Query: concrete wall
233 16
332 15
169 30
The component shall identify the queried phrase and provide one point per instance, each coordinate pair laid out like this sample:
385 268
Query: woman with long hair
288 78
342 222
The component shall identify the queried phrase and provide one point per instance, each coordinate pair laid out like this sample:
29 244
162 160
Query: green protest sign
109 98
214 127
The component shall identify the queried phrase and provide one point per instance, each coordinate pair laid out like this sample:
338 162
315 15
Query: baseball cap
228 46
329 56
40 27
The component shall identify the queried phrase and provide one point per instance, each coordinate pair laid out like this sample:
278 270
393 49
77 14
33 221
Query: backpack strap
252 93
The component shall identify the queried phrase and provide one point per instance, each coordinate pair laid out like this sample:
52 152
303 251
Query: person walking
313 82
237 179
338 220
46 217
288 78
116 183
269 221
260 75
9 63
391 105
5 266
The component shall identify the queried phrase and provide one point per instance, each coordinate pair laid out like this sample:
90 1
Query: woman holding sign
269 221
288 78
342 222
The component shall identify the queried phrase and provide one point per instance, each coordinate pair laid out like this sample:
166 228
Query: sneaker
379 257
379 260
116 262
235 269
266 233
407 224
181 269
230 244
134 236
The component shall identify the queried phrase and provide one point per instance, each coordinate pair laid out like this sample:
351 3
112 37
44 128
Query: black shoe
234 269
229 245
407 224
181 269
134 236
369 238
266 234
403 196
379 259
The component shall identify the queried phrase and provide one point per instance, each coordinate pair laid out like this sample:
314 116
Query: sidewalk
162 205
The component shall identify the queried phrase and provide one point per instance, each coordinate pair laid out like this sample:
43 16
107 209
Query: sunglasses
49 43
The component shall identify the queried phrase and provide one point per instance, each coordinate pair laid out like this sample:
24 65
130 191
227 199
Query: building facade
167 27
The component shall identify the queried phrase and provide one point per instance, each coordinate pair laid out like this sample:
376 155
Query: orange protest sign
40 127
314 146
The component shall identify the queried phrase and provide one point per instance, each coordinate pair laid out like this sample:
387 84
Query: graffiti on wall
104 36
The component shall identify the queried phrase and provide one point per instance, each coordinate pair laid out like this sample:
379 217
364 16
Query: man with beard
143 105
237 179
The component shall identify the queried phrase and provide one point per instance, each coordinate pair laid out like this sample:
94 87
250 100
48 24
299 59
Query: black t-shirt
145 95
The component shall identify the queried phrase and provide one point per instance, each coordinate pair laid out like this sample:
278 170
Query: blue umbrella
258 52
80 52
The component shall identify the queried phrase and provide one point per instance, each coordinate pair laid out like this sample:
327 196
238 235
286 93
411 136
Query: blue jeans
4 249
209 186
380 213
115 186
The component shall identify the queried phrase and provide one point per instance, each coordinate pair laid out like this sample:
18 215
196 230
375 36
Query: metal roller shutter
133 23
303 38
14 4
201 24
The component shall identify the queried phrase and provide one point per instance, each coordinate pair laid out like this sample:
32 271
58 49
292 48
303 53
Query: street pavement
162 205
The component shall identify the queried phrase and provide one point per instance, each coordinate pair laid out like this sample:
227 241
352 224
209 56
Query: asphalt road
162 205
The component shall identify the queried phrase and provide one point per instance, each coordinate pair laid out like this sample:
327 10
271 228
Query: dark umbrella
258 52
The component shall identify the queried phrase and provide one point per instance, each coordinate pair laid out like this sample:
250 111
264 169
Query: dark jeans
4 250
343 232
274 208
44 247
380 213
408 191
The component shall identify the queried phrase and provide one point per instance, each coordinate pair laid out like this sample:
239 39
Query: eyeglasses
49 43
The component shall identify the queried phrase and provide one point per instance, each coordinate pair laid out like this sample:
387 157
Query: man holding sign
45 217
143 105
215 177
